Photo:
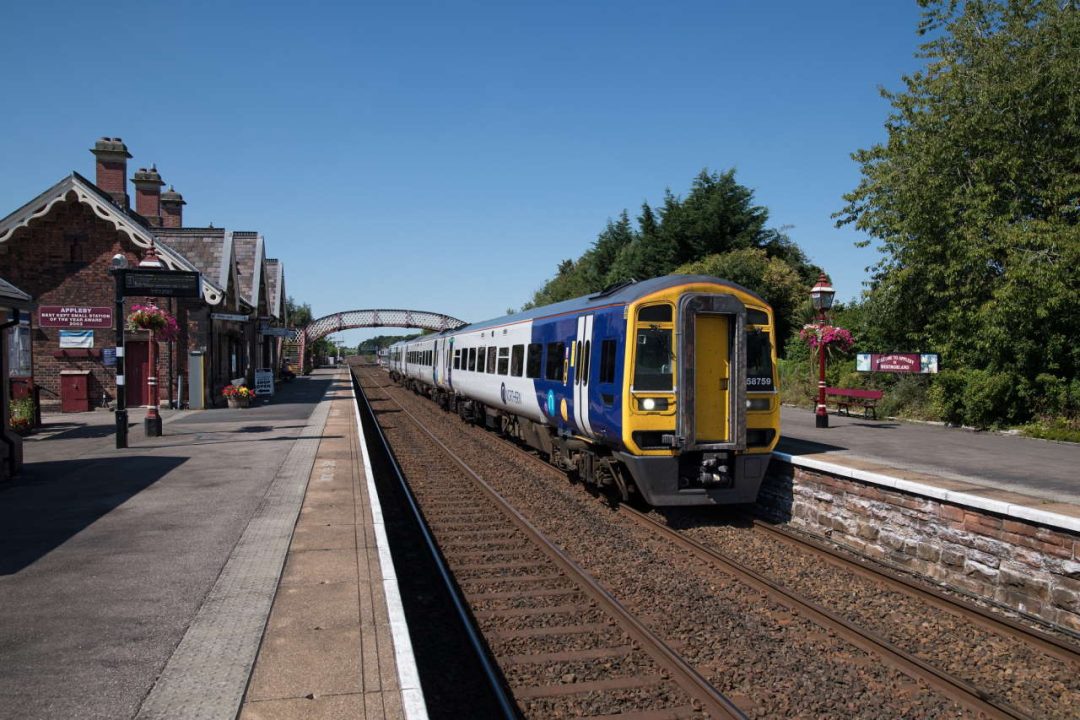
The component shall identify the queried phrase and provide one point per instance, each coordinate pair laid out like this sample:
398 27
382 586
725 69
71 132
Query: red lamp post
152 423
821 296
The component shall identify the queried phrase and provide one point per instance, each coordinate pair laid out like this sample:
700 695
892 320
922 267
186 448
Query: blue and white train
667 387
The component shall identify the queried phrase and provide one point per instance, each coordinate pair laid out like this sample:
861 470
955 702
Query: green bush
989 397
947 395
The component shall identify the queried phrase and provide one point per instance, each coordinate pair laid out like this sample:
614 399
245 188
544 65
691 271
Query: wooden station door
136 372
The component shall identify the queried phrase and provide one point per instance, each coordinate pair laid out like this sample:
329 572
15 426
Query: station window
535 359
517 360
554 368
472 360
504 361
481 355
607 361
491 359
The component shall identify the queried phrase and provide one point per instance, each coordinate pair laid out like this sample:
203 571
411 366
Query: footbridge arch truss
352 319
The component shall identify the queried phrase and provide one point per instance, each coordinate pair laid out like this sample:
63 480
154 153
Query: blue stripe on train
605 399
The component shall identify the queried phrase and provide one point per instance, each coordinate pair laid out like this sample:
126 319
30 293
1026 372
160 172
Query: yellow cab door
712 378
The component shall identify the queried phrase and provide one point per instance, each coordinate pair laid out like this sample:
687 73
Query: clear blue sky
447 155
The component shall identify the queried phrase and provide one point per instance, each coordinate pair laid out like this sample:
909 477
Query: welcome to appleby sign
918 363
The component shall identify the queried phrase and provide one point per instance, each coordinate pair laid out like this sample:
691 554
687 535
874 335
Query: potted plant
238 396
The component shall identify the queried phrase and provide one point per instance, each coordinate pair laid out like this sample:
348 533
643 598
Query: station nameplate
161 283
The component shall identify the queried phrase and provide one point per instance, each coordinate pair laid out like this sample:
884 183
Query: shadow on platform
52 501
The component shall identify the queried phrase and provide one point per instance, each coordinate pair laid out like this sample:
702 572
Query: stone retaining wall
1023 565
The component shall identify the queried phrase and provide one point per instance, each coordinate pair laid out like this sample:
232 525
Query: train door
582 362
712 378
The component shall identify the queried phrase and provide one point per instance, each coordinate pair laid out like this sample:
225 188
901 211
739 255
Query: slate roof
208 249
11 296
275 285
250 257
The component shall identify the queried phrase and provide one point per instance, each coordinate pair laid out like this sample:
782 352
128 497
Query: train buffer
846 397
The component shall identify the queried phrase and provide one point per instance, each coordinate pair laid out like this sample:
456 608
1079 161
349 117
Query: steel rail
492 673
951 686
681 672
1050 645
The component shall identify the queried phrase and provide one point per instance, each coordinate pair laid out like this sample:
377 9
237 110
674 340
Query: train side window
457 359
491 359
481 355
607 361
472 360
504 361
554 368
586 362
517 360
536 354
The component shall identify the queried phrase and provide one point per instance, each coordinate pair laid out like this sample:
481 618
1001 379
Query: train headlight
759 403
652 404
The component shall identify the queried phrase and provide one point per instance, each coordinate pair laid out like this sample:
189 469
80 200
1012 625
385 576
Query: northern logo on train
509 397
502 393
551 403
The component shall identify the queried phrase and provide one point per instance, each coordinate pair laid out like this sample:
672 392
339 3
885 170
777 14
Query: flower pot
238 402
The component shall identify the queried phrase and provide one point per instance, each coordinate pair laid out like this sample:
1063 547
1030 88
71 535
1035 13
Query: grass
1059 429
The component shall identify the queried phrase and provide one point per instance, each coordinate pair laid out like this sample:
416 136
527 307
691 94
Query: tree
774 279
299 315
974 197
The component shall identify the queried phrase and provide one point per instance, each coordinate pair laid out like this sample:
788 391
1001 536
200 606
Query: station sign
916 363
229 317
75 316
160 283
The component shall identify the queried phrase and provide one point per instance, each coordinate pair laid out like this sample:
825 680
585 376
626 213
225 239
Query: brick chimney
172 209
148 194
112 156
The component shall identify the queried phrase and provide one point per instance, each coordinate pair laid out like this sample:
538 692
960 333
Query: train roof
616 295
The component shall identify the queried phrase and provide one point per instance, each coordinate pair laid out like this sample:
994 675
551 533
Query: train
663 391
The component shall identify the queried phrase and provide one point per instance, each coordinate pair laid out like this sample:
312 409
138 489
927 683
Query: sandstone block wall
1023 565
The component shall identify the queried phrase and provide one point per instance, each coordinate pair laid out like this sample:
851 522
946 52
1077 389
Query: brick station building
59 248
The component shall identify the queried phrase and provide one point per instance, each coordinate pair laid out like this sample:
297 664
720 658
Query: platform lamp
821 296
152 423
119 264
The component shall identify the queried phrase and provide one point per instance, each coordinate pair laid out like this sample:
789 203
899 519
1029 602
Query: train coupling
715 471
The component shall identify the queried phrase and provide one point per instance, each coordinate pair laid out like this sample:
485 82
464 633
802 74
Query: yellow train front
701 410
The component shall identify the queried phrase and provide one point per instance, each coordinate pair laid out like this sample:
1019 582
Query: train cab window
759 369
504 361
553 370
472 360
653 357
536 354
756 317
481 356
607 361
491 359
517 360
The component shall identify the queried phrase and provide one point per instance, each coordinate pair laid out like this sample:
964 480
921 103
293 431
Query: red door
135 373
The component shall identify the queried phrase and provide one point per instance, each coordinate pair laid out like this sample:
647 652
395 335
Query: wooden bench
846 397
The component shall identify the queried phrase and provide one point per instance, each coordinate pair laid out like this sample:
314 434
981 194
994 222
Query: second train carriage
666 387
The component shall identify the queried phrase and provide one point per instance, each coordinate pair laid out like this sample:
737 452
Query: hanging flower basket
154 319
834 339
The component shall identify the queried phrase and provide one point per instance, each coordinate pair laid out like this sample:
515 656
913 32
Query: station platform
1011 475
165 580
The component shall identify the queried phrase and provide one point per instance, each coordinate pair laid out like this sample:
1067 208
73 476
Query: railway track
969 690
547 620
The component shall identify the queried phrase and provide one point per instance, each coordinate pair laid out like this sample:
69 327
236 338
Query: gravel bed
433 482
1007 670
777 663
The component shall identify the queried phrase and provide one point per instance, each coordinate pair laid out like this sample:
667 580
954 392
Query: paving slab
107 556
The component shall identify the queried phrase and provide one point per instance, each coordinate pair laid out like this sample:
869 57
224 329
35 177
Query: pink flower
151 317
828 337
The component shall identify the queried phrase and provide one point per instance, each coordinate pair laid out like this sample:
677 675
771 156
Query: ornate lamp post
152 423
821 296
